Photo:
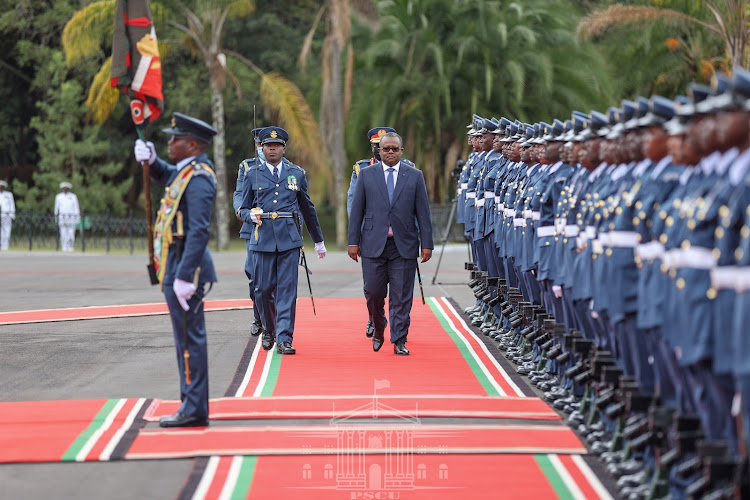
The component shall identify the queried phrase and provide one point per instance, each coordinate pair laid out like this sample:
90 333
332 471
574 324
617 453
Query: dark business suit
389 264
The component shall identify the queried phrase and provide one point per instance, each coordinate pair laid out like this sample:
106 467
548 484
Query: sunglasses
389 149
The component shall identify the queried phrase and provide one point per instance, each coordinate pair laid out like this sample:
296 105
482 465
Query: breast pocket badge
291 183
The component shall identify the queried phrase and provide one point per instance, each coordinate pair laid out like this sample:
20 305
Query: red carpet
103 312
378 441
404 435
422 477
53 431
364 407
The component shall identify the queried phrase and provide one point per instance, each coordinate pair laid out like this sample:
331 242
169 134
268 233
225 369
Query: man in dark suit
390 215
181 256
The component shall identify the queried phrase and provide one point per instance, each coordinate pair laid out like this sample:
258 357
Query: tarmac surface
135 357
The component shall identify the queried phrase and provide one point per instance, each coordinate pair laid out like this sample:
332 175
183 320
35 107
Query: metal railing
108 233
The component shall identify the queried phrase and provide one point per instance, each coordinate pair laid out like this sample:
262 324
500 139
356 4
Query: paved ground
134 357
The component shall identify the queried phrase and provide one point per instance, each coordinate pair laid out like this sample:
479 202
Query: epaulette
246 163
292 165
408 163
358 166
203 169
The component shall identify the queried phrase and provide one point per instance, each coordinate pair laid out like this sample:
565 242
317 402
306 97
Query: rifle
303 260
419 275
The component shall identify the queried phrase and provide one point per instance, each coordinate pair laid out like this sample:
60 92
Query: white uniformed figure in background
7 214
67 216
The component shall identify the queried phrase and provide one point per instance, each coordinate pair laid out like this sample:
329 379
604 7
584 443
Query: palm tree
730 23
435 62
337 89
91 28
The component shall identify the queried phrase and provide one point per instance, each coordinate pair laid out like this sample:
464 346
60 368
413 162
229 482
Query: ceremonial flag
136 66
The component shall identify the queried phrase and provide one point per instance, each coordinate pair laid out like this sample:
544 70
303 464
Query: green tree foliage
659 46
434 63
67 146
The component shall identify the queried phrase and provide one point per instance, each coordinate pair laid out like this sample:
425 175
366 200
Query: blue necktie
276 174
389 184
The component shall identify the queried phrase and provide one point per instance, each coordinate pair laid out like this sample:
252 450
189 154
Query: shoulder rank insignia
356 169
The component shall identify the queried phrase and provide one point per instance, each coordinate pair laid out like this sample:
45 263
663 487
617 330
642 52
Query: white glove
557 290
183 290
321 249
253 218
144 151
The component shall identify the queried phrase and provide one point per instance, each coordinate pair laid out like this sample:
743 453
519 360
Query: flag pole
135 51
143 135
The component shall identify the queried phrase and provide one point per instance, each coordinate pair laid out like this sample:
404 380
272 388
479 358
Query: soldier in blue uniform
275 197
185 267
247 229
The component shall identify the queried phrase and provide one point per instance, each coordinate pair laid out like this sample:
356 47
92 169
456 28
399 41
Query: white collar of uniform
181 164
555 167
739 167
726 159
386 167
271 167
708 163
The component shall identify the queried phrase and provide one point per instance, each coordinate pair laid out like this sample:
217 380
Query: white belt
597 247
604 239
500 206
623 239
571 231
581 240
519 222
464 185
697 258
510 212
590 232
497 198
536 215
650 250
727 277
669 258
458 191
488 194
471 195
560 225
527 214
479 203
742 280
543 231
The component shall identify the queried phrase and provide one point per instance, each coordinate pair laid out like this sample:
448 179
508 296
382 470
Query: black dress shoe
370 329
256 328
285 348
400 348
181 420
268 339
377 341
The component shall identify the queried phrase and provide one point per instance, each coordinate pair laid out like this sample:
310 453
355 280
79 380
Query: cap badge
174 121
274 135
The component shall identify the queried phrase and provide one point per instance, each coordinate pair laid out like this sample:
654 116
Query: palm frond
294 114
367 12
88 29
304 53
102 98
598 22
241 8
